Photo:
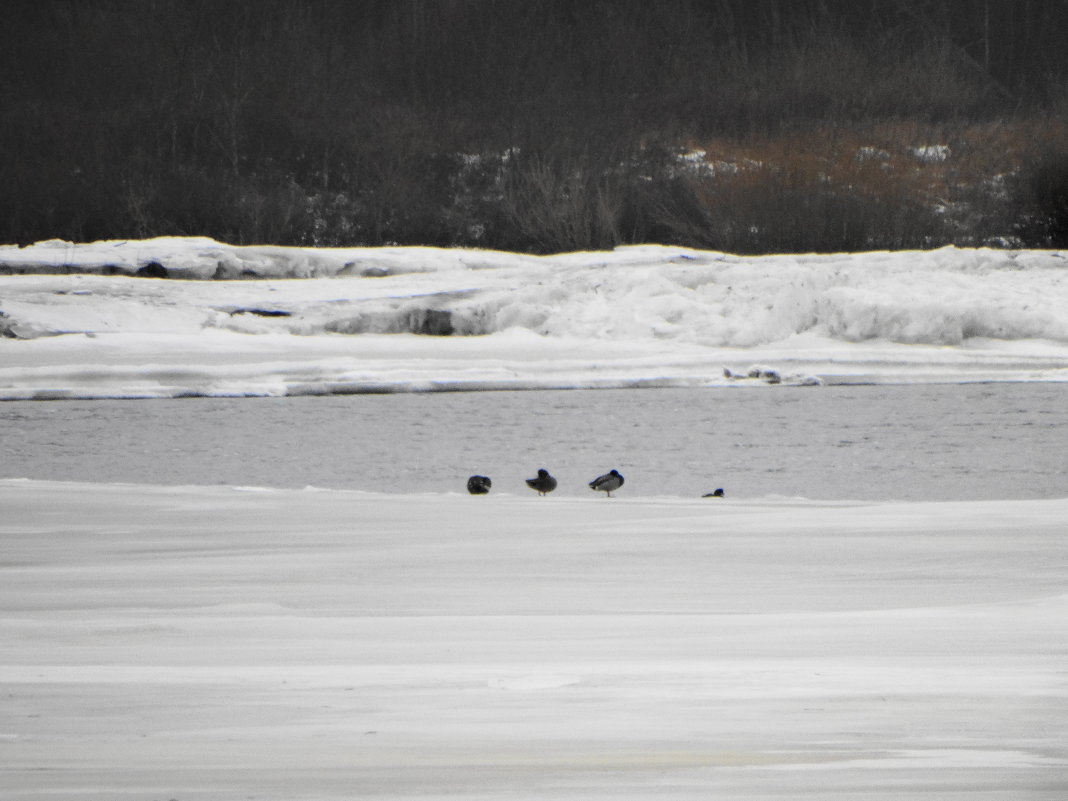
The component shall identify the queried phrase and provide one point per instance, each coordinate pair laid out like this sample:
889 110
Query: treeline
538 125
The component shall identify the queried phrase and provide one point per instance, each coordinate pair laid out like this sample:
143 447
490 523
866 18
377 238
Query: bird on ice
544 483
479 485
717 494
607 482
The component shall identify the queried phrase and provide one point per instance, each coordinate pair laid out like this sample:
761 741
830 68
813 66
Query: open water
919 442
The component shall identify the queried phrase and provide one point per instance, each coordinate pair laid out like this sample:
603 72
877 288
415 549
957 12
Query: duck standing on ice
479 485
544 483
607 482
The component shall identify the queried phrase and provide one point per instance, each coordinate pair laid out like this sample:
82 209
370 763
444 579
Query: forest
748 126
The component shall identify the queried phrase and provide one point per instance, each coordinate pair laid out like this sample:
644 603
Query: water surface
926 442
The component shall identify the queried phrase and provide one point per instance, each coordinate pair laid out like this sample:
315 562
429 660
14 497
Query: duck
608 482
479 485
717 494
544 483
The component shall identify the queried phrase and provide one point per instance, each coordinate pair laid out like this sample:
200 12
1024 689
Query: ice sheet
234 643
273 321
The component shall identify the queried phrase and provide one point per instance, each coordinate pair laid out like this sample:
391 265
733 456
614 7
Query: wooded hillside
541 125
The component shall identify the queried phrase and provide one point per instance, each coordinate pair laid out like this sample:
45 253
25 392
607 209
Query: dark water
874 442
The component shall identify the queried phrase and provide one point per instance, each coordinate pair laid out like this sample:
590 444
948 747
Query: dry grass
894 184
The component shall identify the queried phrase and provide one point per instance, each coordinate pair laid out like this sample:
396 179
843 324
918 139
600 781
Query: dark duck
544 483
607 482
479 485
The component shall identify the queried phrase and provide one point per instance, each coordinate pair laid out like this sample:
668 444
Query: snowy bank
79 322
226 643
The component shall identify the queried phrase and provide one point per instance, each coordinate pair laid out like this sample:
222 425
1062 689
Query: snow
247 642
932 154
285 321
225 643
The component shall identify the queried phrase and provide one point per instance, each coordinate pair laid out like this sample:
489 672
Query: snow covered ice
226 643
278 321
216 644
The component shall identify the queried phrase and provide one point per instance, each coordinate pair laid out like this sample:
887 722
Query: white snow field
304 321
236 643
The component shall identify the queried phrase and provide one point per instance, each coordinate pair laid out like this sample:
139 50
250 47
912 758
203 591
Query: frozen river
921 442
875 612
221 644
